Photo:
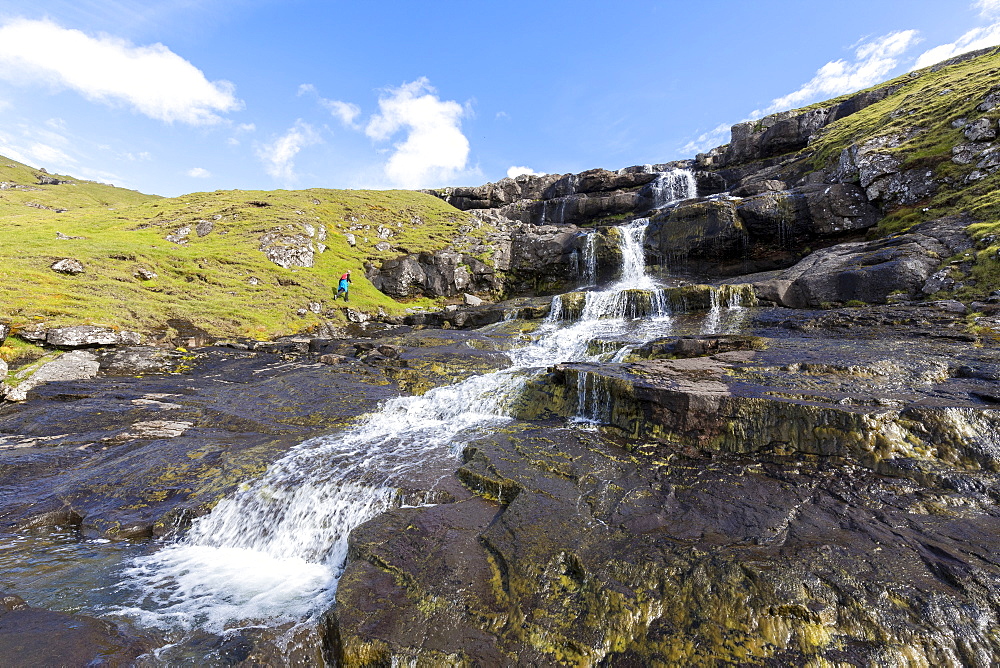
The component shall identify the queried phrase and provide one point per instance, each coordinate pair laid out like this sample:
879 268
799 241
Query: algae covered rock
594 556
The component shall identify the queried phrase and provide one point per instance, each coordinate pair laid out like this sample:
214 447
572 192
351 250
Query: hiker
345 284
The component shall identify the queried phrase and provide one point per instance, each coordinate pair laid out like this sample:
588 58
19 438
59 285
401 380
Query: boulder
74 365
68 266
204 227
4 332
46 180
35 333
991 101
144 274
291 245
981 129
180 235
868 271
472 300
444 273
79 336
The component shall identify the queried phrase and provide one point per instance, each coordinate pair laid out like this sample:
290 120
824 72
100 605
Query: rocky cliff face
785 186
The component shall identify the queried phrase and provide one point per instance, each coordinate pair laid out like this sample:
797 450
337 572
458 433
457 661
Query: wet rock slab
135 456
33 637
821 489
590 554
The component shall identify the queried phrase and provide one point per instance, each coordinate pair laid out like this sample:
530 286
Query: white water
672 186
273 552
590 260
724 321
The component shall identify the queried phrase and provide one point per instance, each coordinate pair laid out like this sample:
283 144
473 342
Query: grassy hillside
222 281
932 107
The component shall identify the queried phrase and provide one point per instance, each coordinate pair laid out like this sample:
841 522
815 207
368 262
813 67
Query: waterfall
714 316
274 550
728 320
677 184
590 260
633 237
593 399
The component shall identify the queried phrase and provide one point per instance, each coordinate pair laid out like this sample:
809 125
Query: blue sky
197 95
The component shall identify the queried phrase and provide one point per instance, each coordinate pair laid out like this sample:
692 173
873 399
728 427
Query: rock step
644 303
924 426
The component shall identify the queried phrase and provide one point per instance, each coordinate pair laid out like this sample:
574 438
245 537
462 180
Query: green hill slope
925 127
217 275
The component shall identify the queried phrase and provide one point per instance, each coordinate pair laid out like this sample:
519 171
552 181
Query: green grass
929 102
206 281
17 351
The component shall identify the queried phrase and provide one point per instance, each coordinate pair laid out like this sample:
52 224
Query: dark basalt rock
869 271
589 553
664 542
789 131
34 637
439 274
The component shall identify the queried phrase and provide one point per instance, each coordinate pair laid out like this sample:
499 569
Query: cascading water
274 551
672 186
724 321
590 260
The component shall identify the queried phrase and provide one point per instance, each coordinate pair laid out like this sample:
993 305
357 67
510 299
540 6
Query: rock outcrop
74 365
292 245
869 271
68 266
791 500
441 274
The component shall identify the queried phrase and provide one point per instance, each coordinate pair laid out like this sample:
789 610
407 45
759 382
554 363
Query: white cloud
987 7
242 128
45 154
153 80
717 136
502 116
435 150
278 156
345 112
875 59
199 173
977 38
517 171
36 154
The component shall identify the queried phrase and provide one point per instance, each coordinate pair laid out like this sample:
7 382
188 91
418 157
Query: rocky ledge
822 489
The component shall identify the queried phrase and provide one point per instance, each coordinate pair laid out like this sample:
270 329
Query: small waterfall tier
673 186
646 303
